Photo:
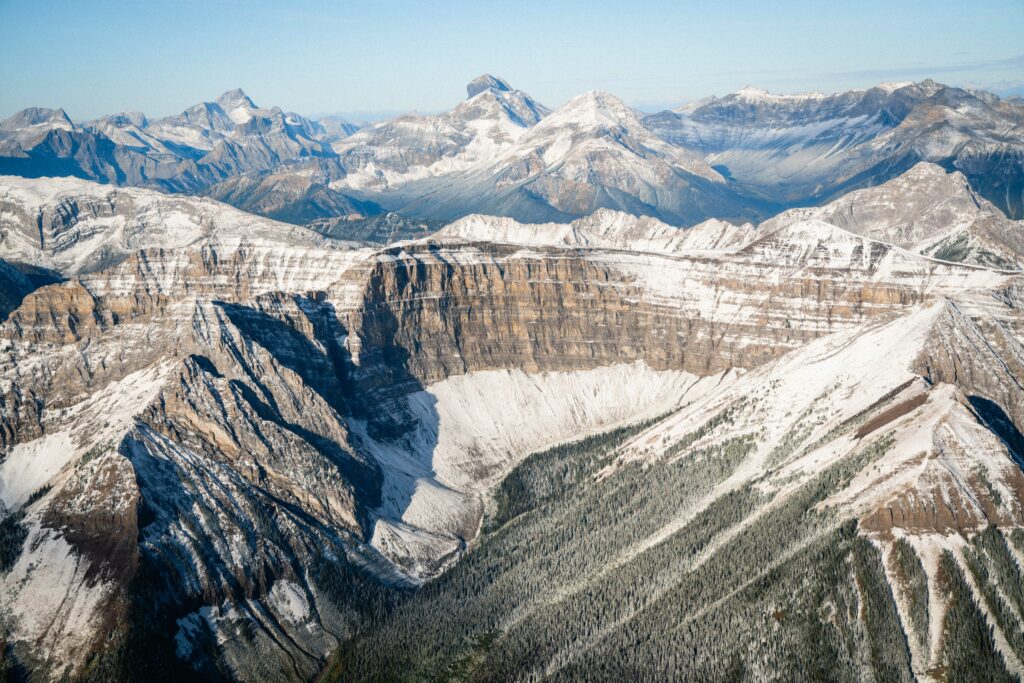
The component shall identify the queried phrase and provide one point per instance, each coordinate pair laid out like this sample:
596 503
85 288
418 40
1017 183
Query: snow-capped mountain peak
893 86
34 123
752 92
594 109
127 118
498 101
29 124
237 105
486 82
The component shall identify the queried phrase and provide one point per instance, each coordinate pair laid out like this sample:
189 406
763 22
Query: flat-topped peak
33 116
598 100
753 94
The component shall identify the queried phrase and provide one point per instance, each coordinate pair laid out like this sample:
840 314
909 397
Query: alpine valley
733 391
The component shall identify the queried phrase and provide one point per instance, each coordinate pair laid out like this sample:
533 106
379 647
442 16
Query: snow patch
288 600
30 465
472 429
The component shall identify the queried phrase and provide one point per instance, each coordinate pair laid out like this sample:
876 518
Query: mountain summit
237 105
486 82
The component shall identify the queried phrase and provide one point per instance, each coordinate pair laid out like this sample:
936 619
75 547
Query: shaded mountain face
808 149
336 128
238 451
295 196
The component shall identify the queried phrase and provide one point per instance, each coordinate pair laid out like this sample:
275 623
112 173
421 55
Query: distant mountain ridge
184 153
742 157
811 148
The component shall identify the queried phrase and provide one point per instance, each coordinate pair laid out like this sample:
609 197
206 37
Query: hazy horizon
159 58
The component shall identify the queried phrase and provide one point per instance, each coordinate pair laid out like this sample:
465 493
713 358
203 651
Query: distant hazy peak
486 82
125 118
35 115
235 98
237 105
893 86
754 94
751 91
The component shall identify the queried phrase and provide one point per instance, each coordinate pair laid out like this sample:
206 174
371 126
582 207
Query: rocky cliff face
459 308
225 444
837 455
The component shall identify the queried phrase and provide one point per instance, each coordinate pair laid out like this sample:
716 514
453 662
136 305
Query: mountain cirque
566 441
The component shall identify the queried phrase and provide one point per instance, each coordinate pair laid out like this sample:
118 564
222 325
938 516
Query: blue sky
311 56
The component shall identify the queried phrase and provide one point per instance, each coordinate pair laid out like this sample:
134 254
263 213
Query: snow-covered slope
392 154
470 433
928 211
591 153
927 467
604 229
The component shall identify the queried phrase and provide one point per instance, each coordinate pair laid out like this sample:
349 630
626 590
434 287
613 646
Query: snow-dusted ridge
928 211
72 225
604 229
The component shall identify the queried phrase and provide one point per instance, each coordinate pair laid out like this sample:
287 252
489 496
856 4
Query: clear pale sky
101 56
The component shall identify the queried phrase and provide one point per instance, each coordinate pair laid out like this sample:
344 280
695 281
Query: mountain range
510 393
745 156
